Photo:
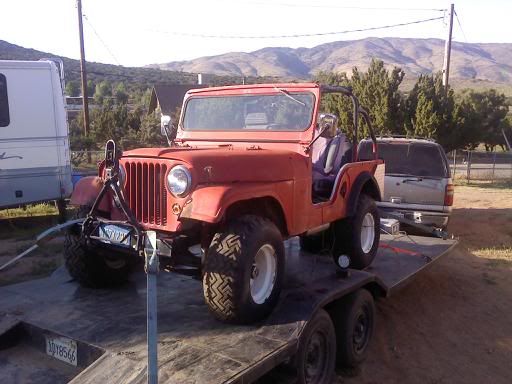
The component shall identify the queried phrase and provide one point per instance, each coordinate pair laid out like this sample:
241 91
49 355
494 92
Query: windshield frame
271 92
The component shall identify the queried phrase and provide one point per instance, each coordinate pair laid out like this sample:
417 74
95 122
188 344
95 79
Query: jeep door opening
250 167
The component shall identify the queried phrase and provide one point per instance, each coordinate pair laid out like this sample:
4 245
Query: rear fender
210 203
364 183
86 190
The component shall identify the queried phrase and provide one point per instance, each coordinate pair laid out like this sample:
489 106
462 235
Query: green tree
102 91
436 115
484 117
377 90
426 118
121 94
73 88
90 88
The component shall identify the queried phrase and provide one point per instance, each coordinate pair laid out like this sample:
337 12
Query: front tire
244 270
87 266
358 237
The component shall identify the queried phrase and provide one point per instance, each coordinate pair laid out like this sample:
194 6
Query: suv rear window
412 159
4 104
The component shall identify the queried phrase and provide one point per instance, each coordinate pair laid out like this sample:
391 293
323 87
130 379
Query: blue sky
143 32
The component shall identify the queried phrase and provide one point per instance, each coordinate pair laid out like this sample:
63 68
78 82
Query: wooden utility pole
448 50
85 100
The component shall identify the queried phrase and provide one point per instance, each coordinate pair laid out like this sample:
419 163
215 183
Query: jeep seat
256 120
328 156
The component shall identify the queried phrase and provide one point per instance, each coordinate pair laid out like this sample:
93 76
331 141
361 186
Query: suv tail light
448 195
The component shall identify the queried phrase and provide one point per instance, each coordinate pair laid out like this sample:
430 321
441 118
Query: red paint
232 167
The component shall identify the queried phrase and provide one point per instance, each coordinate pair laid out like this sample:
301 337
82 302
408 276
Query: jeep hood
227 164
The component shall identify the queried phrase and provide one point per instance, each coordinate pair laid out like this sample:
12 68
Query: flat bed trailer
108 327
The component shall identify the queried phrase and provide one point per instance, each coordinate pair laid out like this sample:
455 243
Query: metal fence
481 166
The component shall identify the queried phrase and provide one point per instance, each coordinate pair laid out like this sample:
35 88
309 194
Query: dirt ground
16 235
453 324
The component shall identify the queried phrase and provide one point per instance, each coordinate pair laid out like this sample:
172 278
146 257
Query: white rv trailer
34 145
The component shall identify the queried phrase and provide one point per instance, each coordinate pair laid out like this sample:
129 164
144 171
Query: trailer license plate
115 234
62 348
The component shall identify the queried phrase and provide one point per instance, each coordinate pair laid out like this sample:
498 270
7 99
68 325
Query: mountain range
491 62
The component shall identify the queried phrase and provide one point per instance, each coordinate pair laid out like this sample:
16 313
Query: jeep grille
146 192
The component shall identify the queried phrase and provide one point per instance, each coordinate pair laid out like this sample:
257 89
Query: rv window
4 105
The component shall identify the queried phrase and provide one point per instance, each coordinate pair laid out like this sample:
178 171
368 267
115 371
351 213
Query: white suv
418 184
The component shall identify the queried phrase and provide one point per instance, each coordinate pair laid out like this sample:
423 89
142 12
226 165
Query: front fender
209 203
86 190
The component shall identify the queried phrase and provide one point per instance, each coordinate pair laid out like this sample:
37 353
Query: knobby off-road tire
316 355
90 268
358 237
244 270
354 319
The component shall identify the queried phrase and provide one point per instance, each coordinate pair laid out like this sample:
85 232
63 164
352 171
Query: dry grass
42 209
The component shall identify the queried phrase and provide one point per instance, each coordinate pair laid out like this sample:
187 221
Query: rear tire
244 270
316 355
355 323
88 267
358 237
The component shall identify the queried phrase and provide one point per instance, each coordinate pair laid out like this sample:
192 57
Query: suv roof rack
405 137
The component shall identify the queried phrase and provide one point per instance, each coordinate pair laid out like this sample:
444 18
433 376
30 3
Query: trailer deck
109 326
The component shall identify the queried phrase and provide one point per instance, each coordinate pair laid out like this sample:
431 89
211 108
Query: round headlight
179 181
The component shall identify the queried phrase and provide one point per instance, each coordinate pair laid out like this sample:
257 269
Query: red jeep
250 166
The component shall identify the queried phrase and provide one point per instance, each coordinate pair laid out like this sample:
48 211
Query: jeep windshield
285 111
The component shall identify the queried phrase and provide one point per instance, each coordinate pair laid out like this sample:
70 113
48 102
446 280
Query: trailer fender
86 190
210 203
364 183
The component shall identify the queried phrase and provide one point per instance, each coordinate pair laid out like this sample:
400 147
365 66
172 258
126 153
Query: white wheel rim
263 274
367 233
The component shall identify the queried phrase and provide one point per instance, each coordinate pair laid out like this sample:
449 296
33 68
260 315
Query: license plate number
115 234
62 348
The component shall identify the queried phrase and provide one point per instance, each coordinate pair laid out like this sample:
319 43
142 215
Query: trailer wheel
358 237
88 267
316 356
355 323
244 270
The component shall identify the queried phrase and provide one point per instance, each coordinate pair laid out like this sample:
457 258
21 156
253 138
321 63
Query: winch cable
42 238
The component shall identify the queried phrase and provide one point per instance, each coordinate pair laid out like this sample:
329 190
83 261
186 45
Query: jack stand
152 267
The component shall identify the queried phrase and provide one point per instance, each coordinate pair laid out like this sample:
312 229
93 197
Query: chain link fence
481 166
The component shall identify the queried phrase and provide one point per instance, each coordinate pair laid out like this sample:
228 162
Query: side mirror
166 128
328 125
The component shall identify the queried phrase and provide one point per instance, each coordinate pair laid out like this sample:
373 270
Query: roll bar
357 109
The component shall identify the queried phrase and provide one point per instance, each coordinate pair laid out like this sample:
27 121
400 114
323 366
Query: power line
293 5
460 26
200 35
101 40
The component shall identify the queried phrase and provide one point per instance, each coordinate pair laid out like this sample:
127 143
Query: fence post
454 163
493 166
468 176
